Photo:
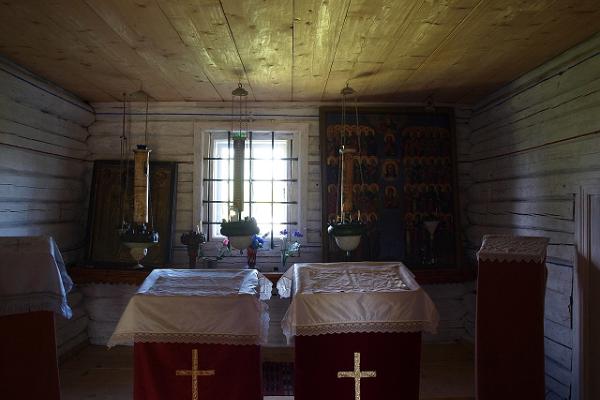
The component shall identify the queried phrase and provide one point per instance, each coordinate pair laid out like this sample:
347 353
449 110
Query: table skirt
395 357
236 371
28 365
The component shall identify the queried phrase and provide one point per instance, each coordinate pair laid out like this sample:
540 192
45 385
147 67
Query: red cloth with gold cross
357 330
197 334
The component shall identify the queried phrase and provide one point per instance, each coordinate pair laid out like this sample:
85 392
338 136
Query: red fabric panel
28 366
237 371
510 331
396 358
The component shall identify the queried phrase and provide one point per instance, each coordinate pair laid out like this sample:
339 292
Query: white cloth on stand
354 297
197 306
33 276
509 248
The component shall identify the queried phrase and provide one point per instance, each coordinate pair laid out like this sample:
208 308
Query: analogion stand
33 287
509 342
197 334
357 330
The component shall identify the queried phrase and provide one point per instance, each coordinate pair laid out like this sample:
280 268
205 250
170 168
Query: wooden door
586 360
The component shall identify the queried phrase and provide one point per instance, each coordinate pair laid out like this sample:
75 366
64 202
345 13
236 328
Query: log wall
175 130
531 145
44 167
44 175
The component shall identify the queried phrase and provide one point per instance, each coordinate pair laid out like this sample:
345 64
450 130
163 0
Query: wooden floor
97 373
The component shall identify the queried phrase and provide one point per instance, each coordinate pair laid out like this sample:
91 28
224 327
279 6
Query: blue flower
298 234
283 232
257 242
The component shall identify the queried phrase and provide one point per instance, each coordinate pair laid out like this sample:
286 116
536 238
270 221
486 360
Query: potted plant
240 233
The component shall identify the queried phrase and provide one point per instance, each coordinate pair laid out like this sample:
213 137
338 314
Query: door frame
581 288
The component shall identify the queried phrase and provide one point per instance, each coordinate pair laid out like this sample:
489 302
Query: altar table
509 339
357 330
33 287
197 334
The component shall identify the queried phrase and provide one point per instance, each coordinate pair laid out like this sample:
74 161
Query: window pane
279 217
261 191
220 191
280 169
262 213
266 165
262 169
280 191
220 169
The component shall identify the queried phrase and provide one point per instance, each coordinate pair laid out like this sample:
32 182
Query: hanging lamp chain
146 124
345 92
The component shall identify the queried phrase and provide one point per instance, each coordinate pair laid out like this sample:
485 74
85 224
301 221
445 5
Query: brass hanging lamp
239 231
139 234
347 229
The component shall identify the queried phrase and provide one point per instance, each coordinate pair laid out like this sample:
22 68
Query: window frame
299 132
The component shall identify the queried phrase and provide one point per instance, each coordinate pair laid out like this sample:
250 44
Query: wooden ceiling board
444 58
492 48
24 53
290 50
202 26
144 27
428 27
89 28
262 31
317 27
83 22
47 50
370 28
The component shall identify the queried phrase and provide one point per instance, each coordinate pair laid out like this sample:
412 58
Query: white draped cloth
197 306
508 248
33 276
354 297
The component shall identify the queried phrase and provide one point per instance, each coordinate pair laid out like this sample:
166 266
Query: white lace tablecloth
354 297
197 306
508 248
33 276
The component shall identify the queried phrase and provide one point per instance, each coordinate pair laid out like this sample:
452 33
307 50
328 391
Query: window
271 182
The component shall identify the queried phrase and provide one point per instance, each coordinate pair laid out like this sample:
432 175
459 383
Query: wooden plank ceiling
290 50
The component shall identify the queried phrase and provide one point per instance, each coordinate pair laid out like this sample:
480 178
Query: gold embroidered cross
194 373
357 374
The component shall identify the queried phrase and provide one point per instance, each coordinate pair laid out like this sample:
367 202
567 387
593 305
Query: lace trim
284 287
43 301
129 339
507 248
265 287
364 327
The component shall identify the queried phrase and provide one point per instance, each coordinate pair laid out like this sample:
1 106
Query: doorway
586 357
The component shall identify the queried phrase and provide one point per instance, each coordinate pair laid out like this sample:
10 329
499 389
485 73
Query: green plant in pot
240 233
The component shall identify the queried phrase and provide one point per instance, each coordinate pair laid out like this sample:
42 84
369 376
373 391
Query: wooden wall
44 171
531 145
44 175
172 128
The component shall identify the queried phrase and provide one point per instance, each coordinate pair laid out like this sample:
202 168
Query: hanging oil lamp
348 228
138 236
239 231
